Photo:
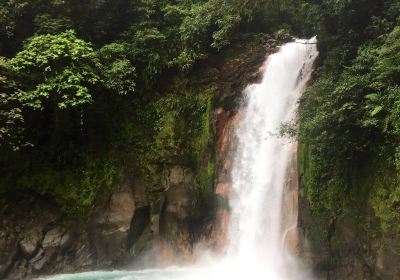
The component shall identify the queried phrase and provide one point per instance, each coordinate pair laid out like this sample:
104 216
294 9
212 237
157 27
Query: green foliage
349 121
46 24
148 50
385 196
59 68
208 24
180 127
9 11
11 119
74 190
118 73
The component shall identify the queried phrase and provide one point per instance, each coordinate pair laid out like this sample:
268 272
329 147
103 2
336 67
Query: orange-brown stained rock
234 120
225 131
165 254
219 231
226 141
183 247
222 126
290 205
292 236
224 189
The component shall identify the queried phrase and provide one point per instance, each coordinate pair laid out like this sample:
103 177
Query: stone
9 252
155 224
157 204
176 175
19 271
141 243
111 226
188 176
140 222
45 260
224 189
30 241
65 240
180 202
53 238
140 188
387 260
3 242
38 261
121 209
83 255
221 130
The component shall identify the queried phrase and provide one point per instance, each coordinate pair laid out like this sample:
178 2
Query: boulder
18 271
180 202
176 175
39 260
30 241
8 250
155 224
387 260
121 209
109 232
56 237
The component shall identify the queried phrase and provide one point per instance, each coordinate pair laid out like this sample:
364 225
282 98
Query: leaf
69 66
372 97
376 111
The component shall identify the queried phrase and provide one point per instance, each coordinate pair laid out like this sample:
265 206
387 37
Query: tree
57 68
11 119
118 73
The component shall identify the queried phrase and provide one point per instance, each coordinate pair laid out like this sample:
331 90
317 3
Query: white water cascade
255 247
261 162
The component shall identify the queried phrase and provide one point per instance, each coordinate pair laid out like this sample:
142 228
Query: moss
326 201
371 194
202 141
316 194
73 189
384 197
203 153
204 183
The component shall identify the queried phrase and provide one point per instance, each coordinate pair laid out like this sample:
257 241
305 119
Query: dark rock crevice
140 220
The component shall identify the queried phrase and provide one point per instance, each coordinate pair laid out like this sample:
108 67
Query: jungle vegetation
83 91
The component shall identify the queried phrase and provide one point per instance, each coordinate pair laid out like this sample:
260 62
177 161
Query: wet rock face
347 250
110 227
180 203
290 205
57 237
388 260
30 241
226 123
8 249
176 175
122 228
21 238
140 222
109 231
37 239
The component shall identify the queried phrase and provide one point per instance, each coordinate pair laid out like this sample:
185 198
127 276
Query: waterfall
255 248
261 161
